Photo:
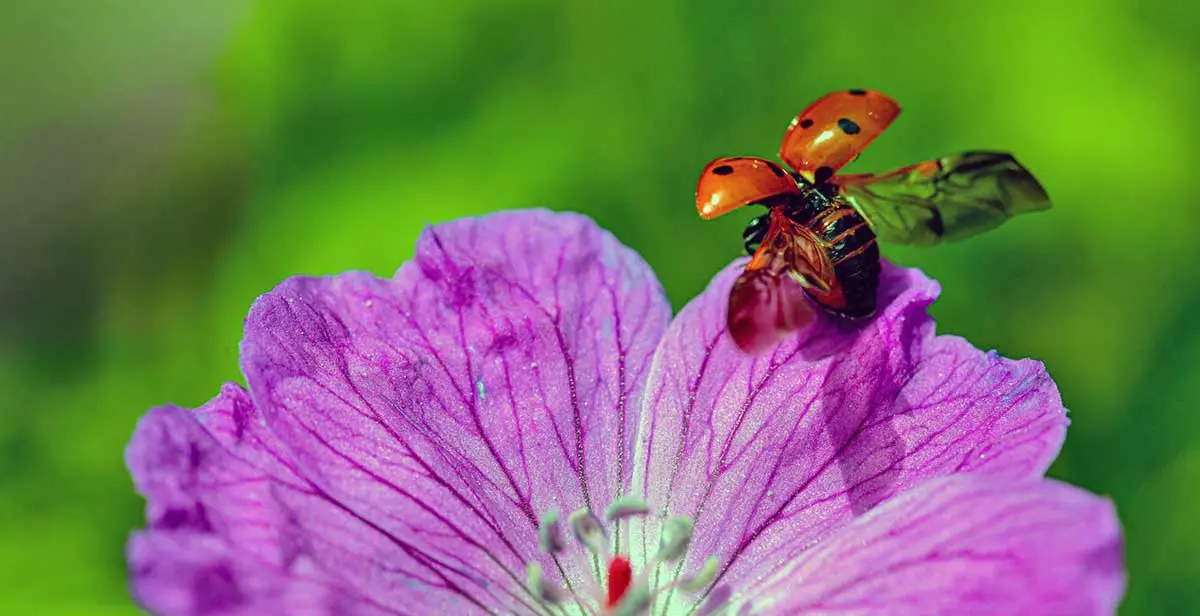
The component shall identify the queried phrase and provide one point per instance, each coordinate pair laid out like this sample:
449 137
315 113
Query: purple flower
514 421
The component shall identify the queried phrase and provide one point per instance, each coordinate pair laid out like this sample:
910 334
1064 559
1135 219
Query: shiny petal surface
963 545
769 454
434 416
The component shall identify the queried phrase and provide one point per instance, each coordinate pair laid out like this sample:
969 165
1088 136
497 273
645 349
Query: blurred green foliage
163 163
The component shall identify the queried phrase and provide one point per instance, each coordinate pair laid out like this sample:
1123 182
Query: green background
162 163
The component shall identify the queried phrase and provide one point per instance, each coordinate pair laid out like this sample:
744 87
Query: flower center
617 591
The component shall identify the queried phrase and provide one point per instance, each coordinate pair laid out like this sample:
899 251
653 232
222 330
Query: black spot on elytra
806 122
822 175
722 170
848 126
776 169
856 92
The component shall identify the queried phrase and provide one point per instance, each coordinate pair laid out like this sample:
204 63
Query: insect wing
767 301
946 199
764 307
808 260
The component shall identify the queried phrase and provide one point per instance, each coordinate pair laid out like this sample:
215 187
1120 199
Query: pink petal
427 421
770 454
962 545
219 541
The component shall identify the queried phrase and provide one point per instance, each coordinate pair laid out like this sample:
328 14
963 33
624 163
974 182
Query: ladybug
819 235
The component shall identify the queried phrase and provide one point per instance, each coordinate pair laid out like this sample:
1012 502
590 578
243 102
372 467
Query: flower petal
963 545
218 540
771 453
497 376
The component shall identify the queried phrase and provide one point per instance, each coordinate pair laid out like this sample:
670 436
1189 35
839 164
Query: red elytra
829 133
834 130
729 183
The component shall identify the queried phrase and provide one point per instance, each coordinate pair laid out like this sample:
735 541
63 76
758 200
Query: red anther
620 574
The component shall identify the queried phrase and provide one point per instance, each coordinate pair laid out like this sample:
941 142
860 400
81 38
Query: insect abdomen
854 254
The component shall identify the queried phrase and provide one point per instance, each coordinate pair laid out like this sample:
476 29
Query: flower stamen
675 538
617 591
551 594
549 534
545 592
626 507
620 575
589 532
